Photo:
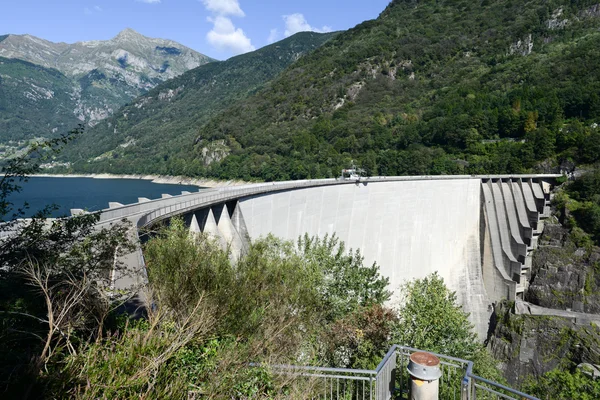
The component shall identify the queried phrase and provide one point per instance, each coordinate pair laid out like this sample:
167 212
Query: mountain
153 132
34 101
429 87
137 59
48 87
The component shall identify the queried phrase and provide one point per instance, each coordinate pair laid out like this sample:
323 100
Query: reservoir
88 193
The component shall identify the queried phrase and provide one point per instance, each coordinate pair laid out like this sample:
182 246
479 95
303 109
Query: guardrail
332 383
165 208
225 195
390 380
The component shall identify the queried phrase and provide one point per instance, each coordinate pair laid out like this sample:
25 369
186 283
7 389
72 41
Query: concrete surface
409 228
475 231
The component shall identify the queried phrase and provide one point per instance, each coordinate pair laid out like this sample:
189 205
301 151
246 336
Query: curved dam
476 232
410 228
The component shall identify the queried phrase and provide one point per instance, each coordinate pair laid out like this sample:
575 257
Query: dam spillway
476 232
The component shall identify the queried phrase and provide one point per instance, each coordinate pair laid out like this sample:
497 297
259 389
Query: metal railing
163 208
331 383
390 380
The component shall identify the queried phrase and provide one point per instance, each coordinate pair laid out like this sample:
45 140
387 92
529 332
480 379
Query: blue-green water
88 193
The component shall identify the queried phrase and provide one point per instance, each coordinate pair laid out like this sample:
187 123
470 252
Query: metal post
464 388
425 372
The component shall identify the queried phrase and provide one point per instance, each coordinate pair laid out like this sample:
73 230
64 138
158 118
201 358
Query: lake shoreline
173 180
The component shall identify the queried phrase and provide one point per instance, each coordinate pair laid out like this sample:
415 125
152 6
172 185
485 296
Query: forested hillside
154 132
34 100
430 87
48 88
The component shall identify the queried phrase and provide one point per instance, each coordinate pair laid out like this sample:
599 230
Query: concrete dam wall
410 228
476 232
415 227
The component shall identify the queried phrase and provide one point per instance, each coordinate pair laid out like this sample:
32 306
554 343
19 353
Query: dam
476 232
409 228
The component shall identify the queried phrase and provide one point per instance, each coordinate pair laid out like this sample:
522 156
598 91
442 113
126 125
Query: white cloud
295 23
224 7
273 36
148 1
225 36
90 11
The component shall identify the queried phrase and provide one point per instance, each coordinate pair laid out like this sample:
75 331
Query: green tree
429 318
54 281
360 339
346 284
560 384
183 268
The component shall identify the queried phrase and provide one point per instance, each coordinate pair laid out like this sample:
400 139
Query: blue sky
217 28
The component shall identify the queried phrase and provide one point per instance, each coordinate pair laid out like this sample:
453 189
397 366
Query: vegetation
564 385
427 88
54 280
277 285
160 126
441 87
471 108
429 317
33 101
579 207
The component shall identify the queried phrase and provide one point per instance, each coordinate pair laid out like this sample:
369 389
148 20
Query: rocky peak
129 34
106 55
105 74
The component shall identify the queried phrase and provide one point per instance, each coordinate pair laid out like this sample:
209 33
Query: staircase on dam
514 211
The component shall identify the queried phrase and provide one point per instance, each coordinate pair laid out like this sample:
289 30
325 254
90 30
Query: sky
217 28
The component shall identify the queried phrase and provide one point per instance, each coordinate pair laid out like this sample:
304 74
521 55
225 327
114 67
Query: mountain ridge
98 53
427 88
104 76
157 126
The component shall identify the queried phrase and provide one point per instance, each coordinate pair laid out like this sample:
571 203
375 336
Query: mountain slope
104 75
128 54
34 101
427 88
149 134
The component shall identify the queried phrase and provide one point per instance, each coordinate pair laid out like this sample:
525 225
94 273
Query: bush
430 319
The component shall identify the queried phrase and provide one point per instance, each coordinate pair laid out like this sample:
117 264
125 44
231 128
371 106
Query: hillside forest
429 87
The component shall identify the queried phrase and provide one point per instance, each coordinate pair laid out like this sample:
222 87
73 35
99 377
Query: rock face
104 76
564 276
530 346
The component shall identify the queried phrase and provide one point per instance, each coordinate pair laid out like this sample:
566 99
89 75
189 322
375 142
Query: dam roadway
477 232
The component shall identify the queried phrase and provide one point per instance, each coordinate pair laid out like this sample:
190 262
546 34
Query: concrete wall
410 228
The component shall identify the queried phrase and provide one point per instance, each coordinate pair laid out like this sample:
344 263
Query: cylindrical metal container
424 370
